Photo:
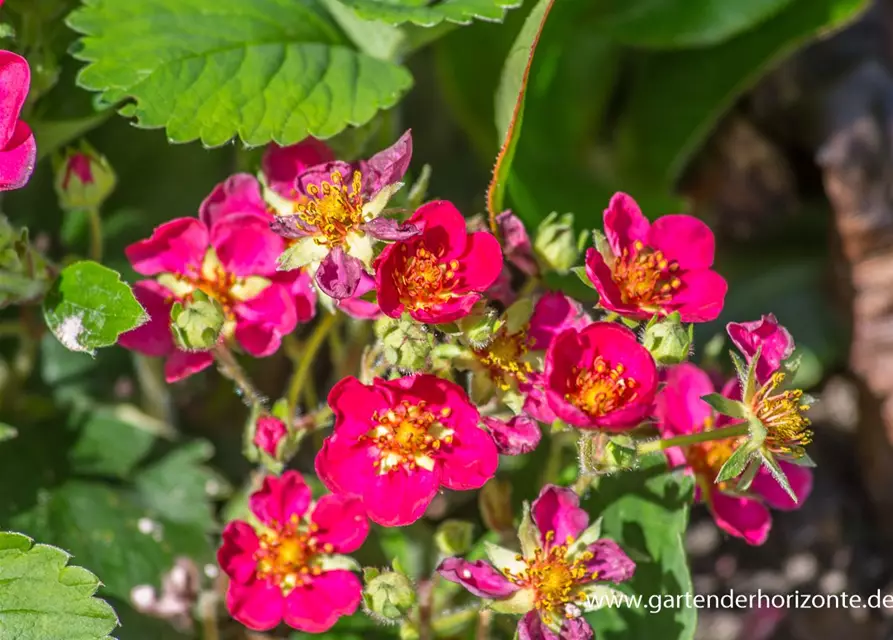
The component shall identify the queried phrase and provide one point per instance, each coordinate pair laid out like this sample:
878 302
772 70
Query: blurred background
770 119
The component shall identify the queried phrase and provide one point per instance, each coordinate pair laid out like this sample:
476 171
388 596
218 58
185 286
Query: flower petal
741 517
342 522
257 605
390 230
470 461
609 560
182 364
554 312
15 78
443 228
17 158
678 408
280 497
264 319
701 297
774 341
282 165
240 193
685 239
353 404
624 223
356 306
520 434
557 515
339 274
152 338
344 466
400 497
388 165
800 479
178 246
478 577
317 607
245 244
516 243
481 263
531 627
236 553
600 275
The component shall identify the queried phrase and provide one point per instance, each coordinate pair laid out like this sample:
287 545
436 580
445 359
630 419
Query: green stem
230 368
314 342
733 431
95 234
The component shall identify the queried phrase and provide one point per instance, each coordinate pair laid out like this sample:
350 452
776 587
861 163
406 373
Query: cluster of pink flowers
313 228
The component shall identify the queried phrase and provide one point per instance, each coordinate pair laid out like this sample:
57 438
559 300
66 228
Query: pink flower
337 214
562 561
774 342
655 268
18 150
439 275
288 569
281 166
358 308
397 441
600 377
268 432
231 259
516 242
680 411
520 434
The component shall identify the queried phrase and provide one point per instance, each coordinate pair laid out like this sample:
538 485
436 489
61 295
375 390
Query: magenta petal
292 227
17 158
685 239
268 432
390 230
279 498
554 312
741 517
557 512
624 223
471 460
516 243
344 466
342 522
800 479
182 364
611 563
329 596
389 165
701 297
386 290
264 319
178 246
453 309
520 434
776 342
353 404
531 627
245 244
576 629
443 228
481 264
240 193
236 553
478 577
154 337
282 165
678 408
258 605
536 402
400 497
339 274
599 274
358 308
15 78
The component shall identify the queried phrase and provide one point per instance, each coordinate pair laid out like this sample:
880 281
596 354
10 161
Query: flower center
422 279
287 554
707 458
503 358
554 579
645 277
787 429
601 389
332 209
408 435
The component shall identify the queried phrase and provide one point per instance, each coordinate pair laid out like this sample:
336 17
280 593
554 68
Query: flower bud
197 326
389 596
83 178
454 537
268 433
556 245
24 274
668 340
479 326
520 434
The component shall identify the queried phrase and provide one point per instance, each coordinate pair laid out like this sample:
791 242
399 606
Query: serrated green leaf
109 446
725 406
666 24
264 70
646 512
661 131
735 465
42 598
89 306
427 14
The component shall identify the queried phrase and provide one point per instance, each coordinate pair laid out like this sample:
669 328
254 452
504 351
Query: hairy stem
230 368
651 446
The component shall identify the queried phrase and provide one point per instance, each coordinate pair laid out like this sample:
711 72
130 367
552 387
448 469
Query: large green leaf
678 96
680 23
646 512
428 14
88 307
213 69
42 598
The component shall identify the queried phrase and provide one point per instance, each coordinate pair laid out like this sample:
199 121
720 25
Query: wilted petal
610 562
389 165
520 434
390 230
478 577
339 274
516 243
557 515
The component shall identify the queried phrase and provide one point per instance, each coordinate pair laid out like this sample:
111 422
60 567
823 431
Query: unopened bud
479 326
454 537
268 433
83 178
197 326
668 340
389 596
556 244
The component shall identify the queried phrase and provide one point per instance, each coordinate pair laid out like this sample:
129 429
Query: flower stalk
651 446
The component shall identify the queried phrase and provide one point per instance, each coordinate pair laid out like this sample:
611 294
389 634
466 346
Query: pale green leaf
263 70
725 406
779 475
735 465
427 13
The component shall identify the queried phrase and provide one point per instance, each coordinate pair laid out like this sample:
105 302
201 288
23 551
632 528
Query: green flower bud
83 178
601 453
668 340
479 326
556 245
389 596
454 537
197 326
23 271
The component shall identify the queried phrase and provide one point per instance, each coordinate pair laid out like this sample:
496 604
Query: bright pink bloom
268 432
656 268
680 411
286 570
600 377
281 166
520 434
18 150
552 576
774 341
233 260
397 441
439 275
